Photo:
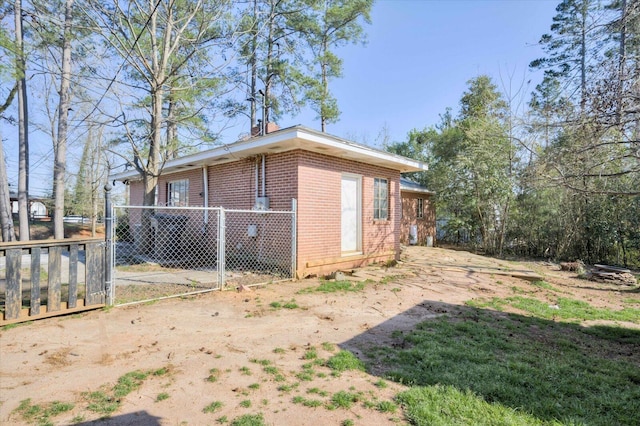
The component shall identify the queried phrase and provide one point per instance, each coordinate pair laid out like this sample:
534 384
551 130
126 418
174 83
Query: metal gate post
294 237
108 239
221 248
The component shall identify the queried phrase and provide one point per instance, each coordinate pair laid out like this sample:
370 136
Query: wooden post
55 278
35 281
72 299
13 302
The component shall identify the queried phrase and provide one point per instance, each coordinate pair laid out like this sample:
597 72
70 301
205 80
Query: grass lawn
43 230
485 367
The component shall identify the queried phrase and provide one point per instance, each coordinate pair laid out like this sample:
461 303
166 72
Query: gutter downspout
257 193
263 174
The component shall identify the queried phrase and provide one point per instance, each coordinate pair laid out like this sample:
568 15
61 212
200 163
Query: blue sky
416 63
420 55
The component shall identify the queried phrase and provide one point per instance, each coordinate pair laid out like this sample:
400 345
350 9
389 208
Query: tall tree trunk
325 87
172 129
253 65
6 219
621 62
270 72
60 161
23 129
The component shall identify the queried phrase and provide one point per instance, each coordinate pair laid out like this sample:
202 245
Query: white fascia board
234 150
288 139
395 161
416 190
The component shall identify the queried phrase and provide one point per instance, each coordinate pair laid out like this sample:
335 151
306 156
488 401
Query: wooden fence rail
23 297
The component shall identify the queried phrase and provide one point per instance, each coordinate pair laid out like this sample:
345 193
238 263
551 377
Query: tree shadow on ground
138 418
554 371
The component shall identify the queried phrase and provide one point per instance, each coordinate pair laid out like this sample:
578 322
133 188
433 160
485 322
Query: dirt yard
222 355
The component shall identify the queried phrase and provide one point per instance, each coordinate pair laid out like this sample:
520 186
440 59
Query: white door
351 213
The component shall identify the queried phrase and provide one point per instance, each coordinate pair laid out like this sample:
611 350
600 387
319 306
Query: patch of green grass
318 391
102 402
245 371
222 420
249 420
213 407
41 414
286 388
261 361
345 360
161 371
305 375
307 402
347 422
344 399
278 351
270 369
386 407
381 384
214 375
15 325
494 303
254 386
390 278
162 396
129 382
571 309
310 353
329 347
630 301
291 304
334 287
245 403
545 285
529 369
443 405
106 401
78 419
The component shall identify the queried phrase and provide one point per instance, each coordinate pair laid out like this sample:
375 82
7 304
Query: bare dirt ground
217 346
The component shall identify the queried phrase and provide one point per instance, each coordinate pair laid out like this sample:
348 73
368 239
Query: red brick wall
319 214
426 224
195 186
315 181
233 185
136 193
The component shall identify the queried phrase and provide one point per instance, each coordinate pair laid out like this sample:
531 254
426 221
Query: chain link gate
161 252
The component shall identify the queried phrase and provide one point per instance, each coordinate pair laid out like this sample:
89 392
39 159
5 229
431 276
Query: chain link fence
161 252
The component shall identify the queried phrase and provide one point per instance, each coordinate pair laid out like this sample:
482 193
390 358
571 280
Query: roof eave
289 139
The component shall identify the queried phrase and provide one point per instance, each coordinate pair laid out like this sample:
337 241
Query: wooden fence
41 278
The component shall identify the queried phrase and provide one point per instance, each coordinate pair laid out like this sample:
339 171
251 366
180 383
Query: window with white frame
380 199
420 206
178 193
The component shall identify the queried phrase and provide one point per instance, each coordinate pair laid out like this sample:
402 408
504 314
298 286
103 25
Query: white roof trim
297 137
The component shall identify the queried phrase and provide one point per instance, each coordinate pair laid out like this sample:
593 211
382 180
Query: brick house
349 205
418 222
